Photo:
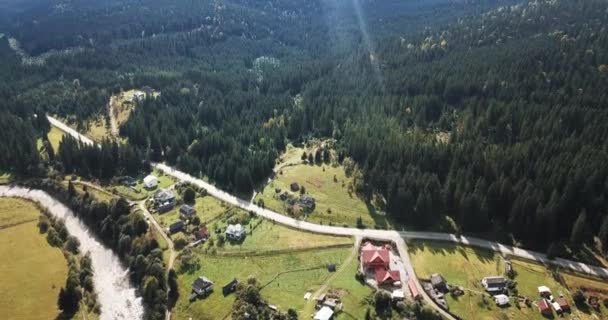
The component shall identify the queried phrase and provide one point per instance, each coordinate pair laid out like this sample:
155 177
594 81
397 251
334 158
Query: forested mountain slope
515 89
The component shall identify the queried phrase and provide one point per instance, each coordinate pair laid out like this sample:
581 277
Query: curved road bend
396 236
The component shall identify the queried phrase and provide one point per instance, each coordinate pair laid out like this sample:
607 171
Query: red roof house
374 257
563 303
544 307
387 276
202 233
413 290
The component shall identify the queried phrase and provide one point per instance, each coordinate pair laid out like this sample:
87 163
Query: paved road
382 234
65 128
386 235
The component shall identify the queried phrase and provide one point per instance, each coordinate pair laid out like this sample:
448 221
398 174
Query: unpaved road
159 229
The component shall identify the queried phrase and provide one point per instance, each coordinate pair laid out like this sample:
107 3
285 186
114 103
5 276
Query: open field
465 266
328 185
123 105
268 236
285 291
28 291
55 136
98 129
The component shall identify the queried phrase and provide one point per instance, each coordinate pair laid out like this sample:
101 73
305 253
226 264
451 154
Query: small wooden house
230 287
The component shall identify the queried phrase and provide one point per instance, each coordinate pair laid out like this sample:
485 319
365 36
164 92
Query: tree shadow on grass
66 315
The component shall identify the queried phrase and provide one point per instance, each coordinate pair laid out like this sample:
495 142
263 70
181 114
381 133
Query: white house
544 291
235 232
501 300
138 96
150 182
324 314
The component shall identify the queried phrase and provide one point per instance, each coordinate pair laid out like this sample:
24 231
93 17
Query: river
115 293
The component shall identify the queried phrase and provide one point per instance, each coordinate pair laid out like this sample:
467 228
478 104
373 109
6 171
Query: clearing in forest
466 266
55 136
28 291
336 202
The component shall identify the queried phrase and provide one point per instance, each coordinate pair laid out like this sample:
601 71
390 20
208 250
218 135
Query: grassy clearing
268 236
286 291
28 291
329 187
123 105
55 136
465 266
98 129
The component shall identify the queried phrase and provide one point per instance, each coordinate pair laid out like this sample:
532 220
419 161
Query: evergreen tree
578 230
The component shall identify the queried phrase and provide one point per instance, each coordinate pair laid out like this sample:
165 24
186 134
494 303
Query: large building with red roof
384 276
376 259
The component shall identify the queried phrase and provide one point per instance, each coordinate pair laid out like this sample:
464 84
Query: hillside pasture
285 279
466 266
329 186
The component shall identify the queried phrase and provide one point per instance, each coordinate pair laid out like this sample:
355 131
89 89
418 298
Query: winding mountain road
385 235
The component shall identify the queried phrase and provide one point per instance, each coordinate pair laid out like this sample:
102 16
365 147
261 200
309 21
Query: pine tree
578 230
603 235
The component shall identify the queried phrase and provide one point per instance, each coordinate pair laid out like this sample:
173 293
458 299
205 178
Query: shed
544 307
230 287
129 181
556 307
294 187
235 232
501 300
398 295
494 285
202 286
413 289
176 227
509 269
439 282
186 212
150 182
307 202
202 233
544 291
563 303
324 313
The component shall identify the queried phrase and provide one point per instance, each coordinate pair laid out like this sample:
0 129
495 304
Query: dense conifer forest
491 112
